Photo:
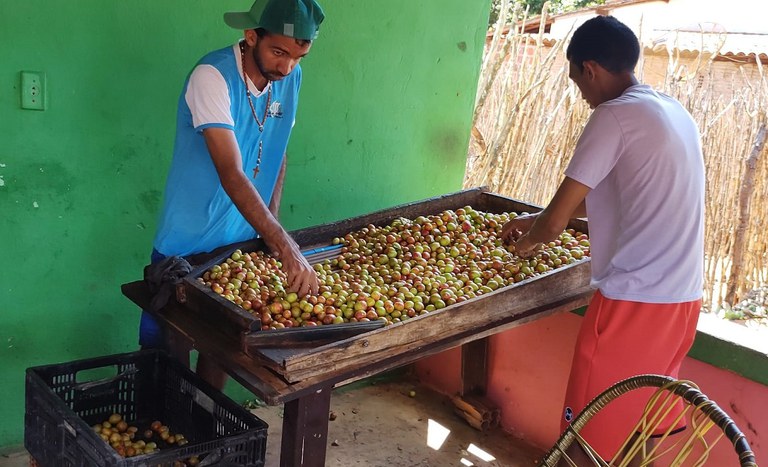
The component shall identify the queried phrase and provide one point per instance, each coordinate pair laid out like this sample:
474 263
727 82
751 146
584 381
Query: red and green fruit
393 272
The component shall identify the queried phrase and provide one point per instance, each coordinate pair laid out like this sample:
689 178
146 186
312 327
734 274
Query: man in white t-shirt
638 175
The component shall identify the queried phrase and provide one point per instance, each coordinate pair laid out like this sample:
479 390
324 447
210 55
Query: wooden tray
241 325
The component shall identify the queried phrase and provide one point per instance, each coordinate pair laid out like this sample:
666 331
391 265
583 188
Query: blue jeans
150 332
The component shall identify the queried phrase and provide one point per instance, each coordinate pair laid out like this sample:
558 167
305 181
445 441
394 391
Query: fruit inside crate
64 405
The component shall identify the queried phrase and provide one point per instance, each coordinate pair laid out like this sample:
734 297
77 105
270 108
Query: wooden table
307 401
302 378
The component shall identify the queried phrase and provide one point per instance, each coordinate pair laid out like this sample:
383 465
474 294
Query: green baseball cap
299 19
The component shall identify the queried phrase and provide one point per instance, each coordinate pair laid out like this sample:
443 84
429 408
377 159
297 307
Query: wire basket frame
686 390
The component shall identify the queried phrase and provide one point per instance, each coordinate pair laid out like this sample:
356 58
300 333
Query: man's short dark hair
607 41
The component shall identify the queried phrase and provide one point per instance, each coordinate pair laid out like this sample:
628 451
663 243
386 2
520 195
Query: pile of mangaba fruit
393 272
128 441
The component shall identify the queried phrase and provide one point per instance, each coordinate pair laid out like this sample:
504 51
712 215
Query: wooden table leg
179 347
474 367
472 404
305 430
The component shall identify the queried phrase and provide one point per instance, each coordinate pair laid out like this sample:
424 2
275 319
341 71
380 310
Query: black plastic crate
64 401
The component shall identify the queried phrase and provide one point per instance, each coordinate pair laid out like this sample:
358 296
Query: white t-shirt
208 96
641 155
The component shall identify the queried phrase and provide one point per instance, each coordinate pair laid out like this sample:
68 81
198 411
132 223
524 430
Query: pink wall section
528 371
745 401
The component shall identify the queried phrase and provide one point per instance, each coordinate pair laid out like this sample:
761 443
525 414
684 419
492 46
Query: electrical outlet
32 90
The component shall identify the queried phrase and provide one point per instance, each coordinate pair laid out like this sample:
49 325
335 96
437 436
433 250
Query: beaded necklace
261 123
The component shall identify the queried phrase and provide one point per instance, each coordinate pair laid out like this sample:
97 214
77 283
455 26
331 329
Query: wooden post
745 196
474 367
305 430
472 405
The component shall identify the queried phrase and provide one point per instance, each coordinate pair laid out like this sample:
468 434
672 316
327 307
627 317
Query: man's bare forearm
248 201
580 211
277 194
227 159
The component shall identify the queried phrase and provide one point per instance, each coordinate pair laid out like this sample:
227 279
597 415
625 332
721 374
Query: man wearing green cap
234 119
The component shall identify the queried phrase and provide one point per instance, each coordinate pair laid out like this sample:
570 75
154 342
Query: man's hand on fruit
525 248
515 232
513 229
302 279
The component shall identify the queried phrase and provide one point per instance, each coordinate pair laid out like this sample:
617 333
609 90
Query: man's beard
271 75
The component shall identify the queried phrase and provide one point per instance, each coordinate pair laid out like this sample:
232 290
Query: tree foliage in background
534 7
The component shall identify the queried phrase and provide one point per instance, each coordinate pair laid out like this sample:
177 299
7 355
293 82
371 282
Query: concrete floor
379 424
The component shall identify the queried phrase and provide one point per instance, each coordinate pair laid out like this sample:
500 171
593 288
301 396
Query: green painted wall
384 119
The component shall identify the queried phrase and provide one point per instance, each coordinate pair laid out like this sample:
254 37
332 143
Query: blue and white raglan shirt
198 215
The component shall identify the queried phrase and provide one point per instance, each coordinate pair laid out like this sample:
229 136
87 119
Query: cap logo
288 30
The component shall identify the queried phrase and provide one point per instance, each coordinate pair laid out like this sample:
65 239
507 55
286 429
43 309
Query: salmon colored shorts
617 340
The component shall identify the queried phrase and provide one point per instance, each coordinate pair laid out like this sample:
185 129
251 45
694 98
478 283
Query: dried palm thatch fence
528 118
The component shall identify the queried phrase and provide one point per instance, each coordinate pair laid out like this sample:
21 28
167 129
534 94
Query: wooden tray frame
240 324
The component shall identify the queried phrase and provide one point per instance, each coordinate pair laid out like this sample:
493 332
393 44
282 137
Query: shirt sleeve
598 149
208 99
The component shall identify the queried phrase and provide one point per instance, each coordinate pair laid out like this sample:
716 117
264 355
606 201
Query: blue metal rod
321 249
